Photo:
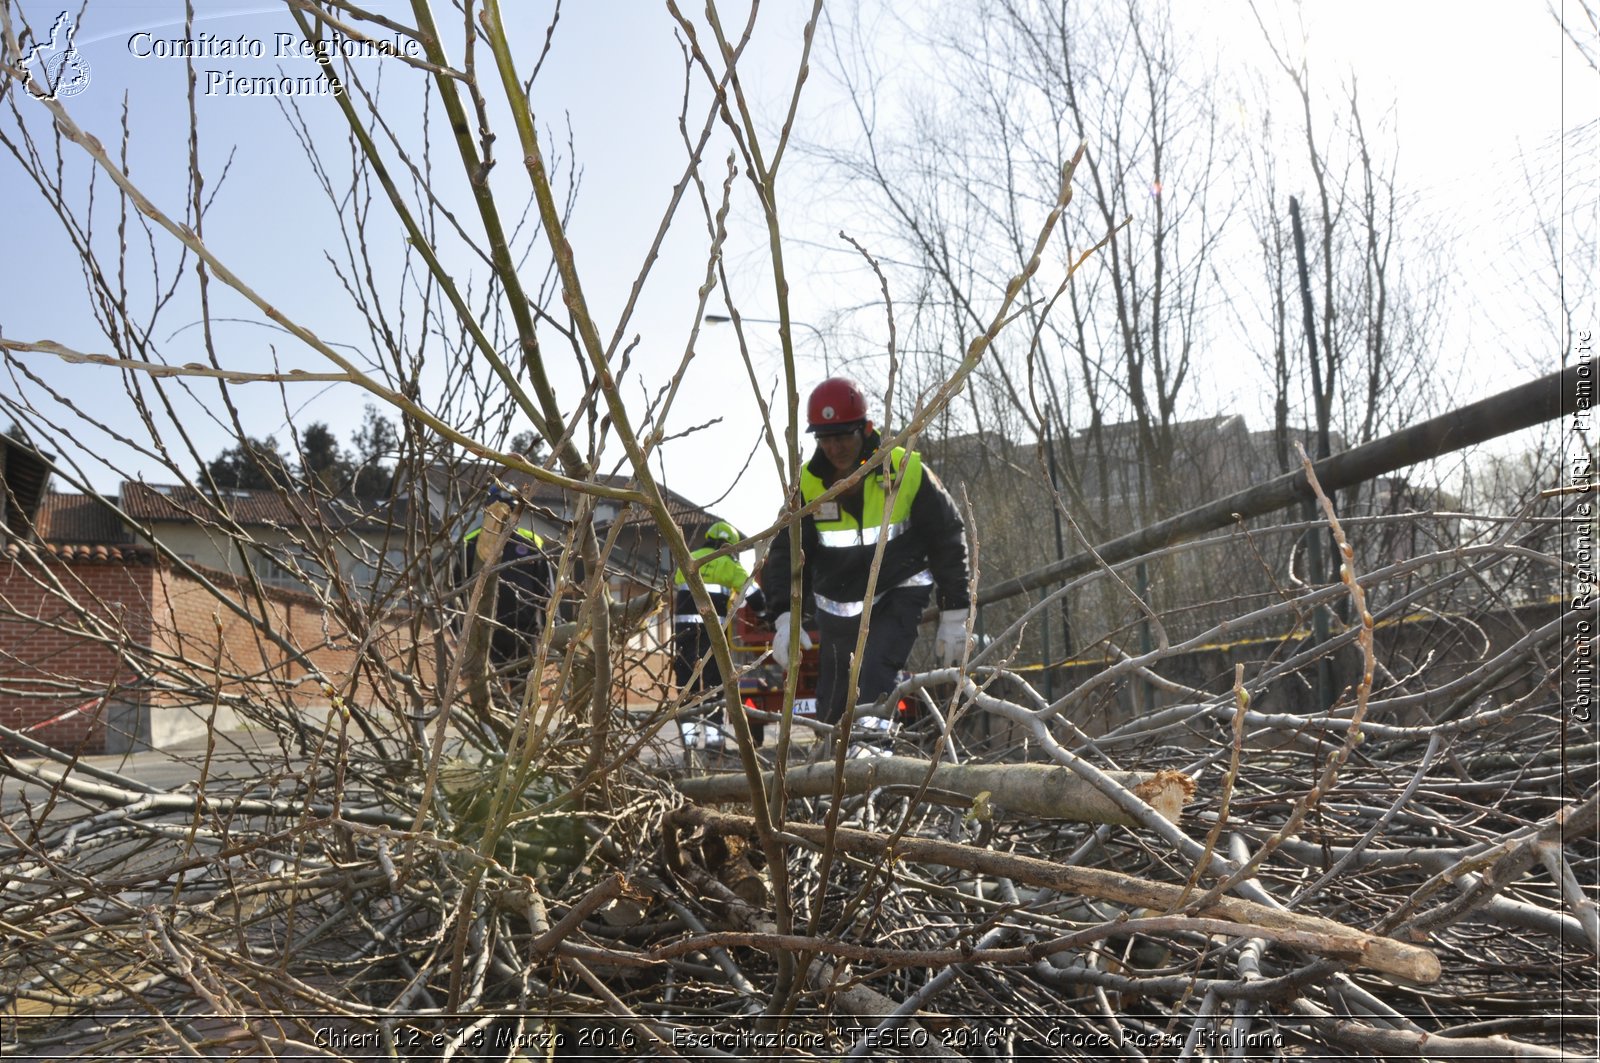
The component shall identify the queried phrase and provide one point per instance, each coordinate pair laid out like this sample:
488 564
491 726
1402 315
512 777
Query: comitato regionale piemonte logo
55 68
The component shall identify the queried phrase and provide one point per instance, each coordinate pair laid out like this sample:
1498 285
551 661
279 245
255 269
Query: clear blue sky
1480 90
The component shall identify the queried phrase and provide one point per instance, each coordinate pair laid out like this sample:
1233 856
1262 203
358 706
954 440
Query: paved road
232 753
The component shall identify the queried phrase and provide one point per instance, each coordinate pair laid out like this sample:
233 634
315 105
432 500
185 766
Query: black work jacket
525 579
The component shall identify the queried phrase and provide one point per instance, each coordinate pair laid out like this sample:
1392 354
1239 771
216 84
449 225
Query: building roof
175 503
683 511
87 527
470 479
74 519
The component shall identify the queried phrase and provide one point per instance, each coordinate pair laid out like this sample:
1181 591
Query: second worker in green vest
693 665
924 547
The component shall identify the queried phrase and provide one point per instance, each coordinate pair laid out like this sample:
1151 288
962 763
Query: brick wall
223 649
59 655
70 630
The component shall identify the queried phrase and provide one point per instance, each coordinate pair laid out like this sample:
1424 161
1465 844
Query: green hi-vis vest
844 544
837 529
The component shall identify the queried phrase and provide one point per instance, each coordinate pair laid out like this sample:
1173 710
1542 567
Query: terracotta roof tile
165 502
84 553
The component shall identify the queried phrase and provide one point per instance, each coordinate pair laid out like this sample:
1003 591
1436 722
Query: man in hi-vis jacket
924 552
693 664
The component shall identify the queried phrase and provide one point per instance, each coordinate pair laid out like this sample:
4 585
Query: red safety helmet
836 405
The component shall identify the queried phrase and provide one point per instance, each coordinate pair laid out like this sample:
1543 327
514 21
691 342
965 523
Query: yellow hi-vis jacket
723 578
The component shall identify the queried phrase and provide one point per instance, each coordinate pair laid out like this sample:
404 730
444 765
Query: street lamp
827 359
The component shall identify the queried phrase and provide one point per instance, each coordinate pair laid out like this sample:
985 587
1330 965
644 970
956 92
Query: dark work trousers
691 644
891 631
691 653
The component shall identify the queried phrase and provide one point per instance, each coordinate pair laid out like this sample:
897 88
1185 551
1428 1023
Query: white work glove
950 643
780 640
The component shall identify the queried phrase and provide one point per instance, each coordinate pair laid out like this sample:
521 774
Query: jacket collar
822 469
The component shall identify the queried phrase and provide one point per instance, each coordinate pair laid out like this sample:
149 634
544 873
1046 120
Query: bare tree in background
1377 290
1104 365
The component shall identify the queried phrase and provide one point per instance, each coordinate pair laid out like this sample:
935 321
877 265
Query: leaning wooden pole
1522 407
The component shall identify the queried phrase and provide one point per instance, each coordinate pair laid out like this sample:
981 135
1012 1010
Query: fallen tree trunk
1044 791
1355 946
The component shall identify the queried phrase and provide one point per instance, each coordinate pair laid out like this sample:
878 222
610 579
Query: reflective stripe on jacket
532 536
839 530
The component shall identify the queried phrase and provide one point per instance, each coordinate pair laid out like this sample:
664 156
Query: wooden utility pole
1317 567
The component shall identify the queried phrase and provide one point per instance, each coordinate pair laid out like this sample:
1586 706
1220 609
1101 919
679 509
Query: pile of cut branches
1408 872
